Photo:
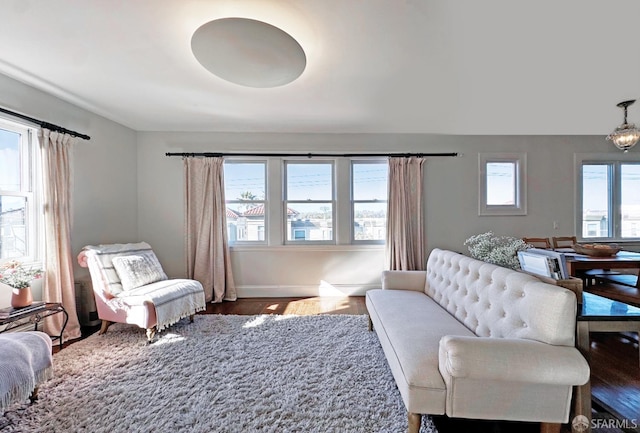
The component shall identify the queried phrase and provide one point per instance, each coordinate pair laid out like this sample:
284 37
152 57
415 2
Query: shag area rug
222 373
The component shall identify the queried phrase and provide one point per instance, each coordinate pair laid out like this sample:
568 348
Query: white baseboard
303 291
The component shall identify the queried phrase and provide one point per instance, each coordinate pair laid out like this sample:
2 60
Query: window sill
324 247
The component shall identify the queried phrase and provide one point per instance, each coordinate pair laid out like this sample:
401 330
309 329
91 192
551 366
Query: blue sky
306 181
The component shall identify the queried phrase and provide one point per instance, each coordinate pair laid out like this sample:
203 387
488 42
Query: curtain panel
207 246
405 215
58 261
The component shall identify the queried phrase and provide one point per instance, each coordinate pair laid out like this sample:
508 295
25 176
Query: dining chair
563 241
538 242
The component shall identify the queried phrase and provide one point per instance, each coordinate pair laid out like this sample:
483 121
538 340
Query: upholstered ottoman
25 363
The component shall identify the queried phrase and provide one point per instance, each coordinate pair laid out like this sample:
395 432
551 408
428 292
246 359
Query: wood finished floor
615 364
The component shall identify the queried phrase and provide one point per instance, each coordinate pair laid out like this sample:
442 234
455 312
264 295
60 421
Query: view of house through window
309 201
18 226
244 188
610 200
369 193
303 207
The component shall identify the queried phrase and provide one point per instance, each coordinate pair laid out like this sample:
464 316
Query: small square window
502 184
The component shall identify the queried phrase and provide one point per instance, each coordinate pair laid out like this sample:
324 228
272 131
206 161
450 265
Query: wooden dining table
579 262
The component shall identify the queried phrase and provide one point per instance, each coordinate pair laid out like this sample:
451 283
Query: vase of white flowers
17 276
499 250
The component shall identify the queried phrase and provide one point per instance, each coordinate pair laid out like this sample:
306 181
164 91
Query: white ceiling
378 66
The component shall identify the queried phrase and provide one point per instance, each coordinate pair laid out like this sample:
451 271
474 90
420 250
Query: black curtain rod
311 155
49 126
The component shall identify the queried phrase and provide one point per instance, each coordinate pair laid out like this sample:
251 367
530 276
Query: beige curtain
405 215
208 258
58 263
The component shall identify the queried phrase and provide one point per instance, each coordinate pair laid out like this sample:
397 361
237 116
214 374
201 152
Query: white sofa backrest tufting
493 301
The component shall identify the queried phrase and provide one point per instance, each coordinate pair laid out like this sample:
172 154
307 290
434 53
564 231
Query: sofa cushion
112 286
138 269
410 326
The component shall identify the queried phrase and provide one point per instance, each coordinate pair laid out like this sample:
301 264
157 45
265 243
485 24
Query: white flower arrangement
16 275
499 250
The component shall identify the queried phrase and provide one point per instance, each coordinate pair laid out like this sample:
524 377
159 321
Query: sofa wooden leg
191 318
415 419
549 427
370 323
104 327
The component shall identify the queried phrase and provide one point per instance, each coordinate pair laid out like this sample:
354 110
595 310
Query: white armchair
130 286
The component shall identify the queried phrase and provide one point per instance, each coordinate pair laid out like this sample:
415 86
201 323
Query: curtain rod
310 155
44 124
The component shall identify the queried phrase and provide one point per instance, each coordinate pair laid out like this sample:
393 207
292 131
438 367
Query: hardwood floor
615 365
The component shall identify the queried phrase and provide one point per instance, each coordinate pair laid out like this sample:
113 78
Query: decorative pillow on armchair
138 269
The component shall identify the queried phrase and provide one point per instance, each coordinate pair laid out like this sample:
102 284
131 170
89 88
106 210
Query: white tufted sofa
470 339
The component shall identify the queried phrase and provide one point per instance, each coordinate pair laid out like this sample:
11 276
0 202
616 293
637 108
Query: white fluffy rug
222 374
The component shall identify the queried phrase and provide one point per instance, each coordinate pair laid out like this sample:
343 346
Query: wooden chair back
563 241
538 242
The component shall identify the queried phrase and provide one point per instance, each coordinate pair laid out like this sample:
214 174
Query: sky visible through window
501 183
10 169
305 181
595 189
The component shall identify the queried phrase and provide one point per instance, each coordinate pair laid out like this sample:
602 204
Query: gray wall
126 189
451 201
105 186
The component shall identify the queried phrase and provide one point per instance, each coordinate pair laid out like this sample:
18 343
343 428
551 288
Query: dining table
578 264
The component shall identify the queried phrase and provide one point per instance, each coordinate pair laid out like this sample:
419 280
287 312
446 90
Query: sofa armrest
509 359
404 280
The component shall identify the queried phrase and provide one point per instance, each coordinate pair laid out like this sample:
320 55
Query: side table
34 313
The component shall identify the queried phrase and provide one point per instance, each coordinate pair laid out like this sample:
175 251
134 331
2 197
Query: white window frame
520 191
264 201
31 190
275 206
615 185
354 201
291 203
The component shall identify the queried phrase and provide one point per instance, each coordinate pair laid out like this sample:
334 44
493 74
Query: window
309 201
502 184
19 225
610 203
369 200
244 190
278 201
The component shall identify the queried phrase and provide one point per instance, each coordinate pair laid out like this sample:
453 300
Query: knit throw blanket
26 362
173 299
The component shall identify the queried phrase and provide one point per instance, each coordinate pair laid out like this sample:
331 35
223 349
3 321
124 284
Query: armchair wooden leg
191 318
34 395
104 327
415 419
151 332
548 427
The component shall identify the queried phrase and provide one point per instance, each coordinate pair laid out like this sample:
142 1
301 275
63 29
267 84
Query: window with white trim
245 186
20 222
302 201
369 201
502 184
609 199
309 201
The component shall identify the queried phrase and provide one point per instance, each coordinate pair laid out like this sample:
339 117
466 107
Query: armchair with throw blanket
130 286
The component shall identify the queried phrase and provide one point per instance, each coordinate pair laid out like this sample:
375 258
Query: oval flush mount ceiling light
248 52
